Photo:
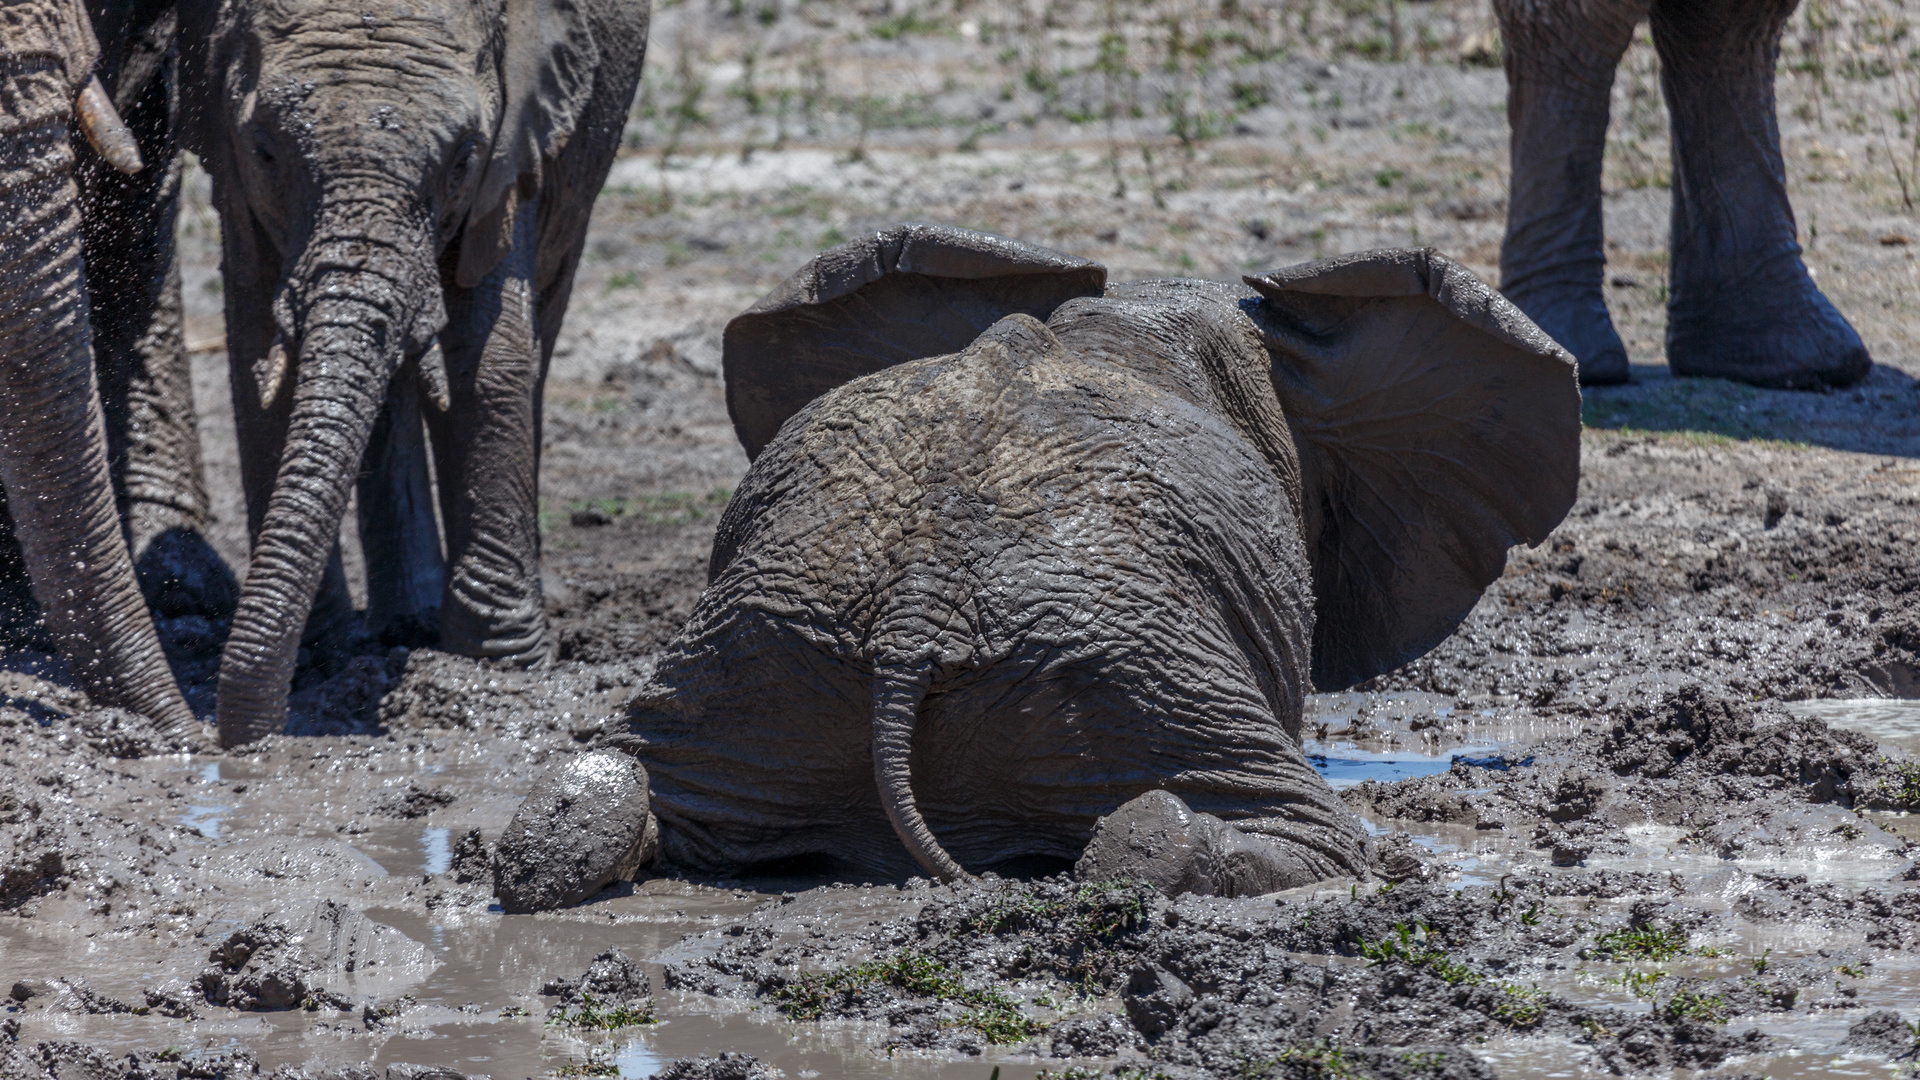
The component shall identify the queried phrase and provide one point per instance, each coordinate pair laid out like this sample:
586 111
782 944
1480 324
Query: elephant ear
1436 425
911 291
547 62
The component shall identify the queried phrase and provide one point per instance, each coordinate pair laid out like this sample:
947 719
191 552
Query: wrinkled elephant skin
53 442
1742 305
1018 547
403 190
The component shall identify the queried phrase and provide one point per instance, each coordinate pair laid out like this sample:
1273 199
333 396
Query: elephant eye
263 145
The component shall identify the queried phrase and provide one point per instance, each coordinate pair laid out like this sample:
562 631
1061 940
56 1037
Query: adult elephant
403 190
1018 546
1742 305
53 441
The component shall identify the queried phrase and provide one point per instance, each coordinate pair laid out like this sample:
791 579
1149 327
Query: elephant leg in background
146 387
1743 306
1560 60
486 449
53 446
399 536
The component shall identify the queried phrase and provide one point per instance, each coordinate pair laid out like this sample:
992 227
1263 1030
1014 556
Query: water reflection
439 851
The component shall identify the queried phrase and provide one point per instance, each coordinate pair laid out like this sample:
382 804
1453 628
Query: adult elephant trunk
53 445
349 309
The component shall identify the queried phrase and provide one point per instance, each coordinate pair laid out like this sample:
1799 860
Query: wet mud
1650 812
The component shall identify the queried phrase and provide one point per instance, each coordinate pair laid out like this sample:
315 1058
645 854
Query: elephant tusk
433 377
270 372
105 130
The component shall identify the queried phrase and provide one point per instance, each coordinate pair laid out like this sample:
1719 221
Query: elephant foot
515 639
584 825
1578 320
180 574
1787 338
1157 838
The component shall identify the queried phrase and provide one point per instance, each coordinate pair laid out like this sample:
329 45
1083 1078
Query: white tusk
270 372
433 377
105 130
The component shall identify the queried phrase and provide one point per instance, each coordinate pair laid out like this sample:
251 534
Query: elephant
403 189
1742 305
1017 545
127 236
53 441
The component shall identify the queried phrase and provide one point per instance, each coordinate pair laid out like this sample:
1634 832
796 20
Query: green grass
1694 1005
1904 785
1408 946
1099 909
991 1013
1522 1006
1644 943
593 1015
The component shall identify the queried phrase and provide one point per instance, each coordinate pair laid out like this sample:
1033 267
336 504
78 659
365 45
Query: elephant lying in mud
1742 304
1018 546
53 438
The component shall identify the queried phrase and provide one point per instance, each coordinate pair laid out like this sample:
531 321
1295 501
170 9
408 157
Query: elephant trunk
53 445
351 303
897 695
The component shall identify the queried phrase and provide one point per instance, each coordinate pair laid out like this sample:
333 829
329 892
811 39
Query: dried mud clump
413 801
1202 987
613 993
726 1066
1745 778
283 964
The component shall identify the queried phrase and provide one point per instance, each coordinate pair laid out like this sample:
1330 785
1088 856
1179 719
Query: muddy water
343 829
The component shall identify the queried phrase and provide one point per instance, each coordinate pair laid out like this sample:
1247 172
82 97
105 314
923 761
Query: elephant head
378 170
1018 546
53 453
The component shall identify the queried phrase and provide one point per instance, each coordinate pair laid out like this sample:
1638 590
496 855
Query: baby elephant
1018 546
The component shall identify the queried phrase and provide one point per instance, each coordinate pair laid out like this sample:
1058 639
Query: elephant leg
20 624
146 388
1743 306
487 450
1560 59
398 533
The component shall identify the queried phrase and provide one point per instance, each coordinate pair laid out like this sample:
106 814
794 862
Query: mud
1649 812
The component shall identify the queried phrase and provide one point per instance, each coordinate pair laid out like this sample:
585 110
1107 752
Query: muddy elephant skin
1018 546
1742 304
403 191
53 441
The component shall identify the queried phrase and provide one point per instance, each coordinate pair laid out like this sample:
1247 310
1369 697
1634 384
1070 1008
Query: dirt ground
1647 812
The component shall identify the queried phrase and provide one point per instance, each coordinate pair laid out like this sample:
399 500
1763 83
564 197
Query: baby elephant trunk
898 691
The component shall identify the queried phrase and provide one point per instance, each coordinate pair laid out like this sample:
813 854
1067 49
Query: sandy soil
1640 856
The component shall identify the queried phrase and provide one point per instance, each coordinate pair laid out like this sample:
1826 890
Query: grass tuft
991 1013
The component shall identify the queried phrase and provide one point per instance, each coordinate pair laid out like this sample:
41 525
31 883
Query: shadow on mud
1878 415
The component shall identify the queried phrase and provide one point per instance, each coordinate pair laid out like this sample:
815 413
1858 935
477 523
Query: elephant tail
897 694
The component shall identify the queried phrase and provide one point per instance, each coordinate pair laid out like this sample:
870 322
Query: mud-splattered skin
53 440
1743 305
404 192
1100 582
965 605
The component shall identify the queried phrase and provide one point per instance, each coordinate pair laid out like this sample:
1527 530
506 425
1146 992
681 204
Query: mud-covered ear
910 291
547 62
1436 425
